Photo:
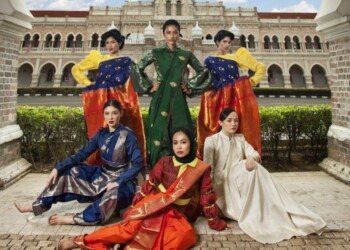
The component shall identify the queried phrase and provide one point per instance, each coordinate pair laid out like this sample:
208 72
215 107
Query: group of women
229 183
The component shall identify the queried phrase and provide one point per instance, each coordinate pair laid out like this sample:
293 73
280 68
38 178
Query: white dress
263 208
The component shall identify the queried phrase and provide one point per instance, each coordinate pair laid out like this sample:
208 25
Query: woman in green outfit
168 109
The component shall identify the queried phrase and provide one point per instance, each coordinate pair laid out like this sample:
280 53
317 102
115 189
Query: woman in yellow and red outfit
229 89
113 82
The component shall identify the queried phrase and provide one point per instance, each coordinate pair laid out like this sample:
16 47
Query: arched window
26 41
49 75
308 43
79 41
251 42
94 41
209 37
275 43
296 42
319 79
297 78
70 42
242 41
317 42
35 42
275 76
287 43
178 8
266 42
168 8
57 41
48 41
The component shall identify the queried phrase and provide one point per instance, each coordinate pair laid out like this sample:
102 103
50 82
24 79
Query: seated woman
248 193
111 186
177 187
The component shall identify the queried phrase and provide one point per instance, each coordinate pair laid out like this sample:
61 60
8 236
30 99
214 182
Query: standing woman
168 108
230 90
248 193
113 82
110 186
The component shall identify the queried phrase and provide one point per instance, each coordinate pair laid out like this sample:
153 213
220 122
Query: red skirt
93 101
241 98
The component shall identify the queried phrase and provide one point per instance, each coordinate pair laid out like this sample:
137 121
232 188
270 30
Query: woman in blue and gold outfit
110 186
229 89
113 82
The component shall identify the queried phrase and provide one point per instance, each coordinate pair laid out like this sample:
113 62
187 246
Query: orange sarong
241 98
93 101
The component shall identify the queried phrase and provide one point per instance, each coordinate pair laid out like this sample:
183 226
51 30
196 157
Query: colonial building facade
287 43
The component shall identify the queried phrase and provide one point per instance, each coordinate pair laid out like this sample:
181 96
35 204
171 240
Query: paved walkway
318 191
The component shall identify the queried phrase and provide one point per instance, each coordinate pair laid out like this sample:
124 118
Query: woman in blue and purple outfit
110 186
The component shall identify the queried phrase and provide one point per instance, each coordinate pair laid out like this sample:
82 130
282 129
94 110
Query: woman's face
171 34
230 124
181 144
224 45
112 46
112 117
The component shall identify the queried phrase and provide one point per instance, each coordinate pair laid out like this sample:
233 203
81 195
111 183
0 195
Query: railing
208 42
134 41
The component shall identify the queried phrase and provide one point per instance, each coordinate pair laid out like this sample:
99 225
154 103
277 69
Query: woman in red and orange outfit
177 188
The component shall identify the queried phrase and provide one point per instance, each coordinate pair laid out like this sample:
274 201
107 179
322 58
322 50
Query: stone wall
9 48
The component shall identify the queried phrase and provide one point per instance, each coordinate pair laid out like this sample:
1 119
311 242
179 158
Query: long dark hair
192 154
114 103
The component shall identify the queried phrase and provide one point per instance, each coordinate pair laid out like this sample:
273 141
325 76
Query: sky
262 5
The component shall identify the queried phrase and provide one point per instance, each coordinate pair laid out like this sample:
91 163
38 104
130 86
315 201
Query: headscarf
192 154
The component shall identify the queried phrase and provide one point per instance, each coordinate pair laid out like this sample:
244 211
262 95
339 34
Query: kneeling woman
110 186
177 187
247 192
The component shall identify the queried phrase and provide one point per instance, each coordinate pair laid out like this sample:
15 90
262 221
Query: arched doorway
47 75
319 79
25 73
275 76
67 77
297 78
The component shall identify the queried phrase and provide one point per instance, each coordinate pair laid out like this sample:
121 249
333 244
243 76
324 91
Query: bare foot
66 243
57 219
24 208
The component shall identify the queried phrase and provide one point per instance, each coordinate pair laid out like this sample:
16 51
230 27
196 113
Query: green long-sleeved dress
168 109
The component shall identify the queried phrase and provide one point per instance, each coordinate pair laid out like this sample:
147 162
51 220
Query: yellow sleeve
90 62
245 60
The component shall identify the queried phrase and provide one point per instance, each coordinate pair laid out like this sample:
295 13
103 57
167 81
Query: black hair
114 103
171 22
222 34
193 149
225 113
116 35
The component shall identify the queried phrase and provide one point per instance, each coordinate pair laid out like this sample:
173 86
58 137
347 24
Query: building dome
197 32
235 30
149 31
112 27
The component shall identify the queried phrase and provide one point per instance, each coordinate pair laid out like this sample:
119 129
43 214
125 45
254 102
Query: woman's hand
112 185
52 179
185 89
250 163
155 87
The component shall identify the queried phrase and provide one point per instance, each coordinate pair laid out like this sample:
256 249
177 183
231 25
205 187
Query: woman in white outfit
248 193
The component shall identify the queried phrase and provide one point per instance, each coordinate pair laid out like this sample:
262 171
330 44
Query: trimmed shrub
53 133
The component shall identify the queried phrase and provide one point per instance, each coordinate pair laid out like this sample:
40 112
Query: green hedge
53 133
